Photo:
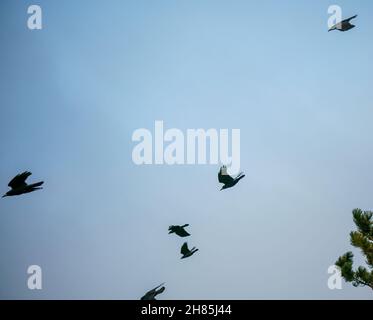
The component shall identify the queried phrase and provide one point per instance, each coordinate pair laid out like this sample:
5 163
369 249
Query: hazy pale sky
72 94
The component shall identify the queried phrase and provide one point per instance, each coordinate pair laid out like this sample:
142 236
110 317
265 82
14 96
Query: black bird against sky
179 230
186 252
150 295
19 186
344 25
227 180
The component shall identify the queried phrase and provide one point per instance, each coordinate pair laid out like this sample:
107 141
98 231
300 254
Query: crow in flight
186 252
227 180
150 295
179 230
19 186
343 26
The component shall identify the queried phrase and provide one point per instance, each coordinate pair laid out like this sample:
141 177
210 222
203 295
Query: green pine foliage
363 240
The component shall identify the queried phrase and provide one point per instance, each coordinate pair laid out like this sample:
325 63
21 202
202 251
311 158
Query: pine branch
363 240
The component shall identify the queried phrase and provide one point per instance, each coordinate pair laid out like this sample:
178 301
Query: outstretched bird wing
160 290
223 176
240 175
19 180
152 291
349 19
184 248
155 289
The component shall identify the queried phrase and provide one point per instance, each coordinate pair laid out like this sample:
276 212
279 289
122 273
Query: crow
227 180
343 26
186 252
179 230
19 186
150 295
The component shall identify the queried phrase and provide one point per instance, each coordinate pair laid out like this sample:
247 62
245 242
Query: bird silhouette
150 295
186 252
179 230
19 186
227 180
344 25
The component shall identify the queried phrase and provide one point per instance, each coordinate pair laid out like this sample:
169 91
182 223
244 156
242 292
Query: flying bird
19 186
227 180
150 295
179 230
344 25
186 252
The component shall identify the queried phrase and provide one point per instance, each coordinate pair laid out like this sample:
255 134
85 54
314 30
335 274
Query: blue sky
73 93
